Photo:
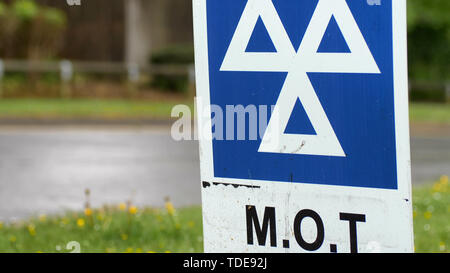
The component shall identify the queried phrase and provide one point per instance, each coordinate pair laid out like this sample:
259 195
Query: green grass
107 230
138 109
432 217
430 113
114 229
84 109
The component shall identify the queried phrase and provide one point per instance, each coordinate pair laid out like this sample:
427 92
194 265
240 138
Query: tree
429 39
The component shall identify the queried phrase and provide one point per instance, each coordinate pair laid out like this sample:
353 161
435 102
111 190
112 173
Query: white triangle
236 59
359 60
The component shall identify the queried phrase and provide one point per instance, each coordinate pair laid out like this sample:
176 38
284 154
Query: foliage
433 13
175 55
429 39
431 221
111 229
176 83
2 9
30 30
426 91
25 10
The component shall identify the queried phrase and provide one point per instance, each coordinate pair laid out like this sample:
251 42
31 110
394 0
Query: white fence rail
67 69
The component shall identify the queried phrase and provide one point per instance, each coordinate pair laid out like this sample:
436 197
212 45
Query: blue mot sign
302 98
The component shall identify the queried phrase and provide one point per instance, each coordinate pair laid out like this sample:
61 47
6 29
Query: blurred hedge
429 39
175 55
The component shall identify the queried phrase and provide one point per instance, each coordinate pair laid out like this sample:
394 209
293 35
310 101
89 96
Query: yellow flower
133 210
110 250
1 225
100 217
42 217
170 208
32 229
81 222
442 184
437 187
138 250
442 246
428 215
124 236
12 239
64 221
129 250
191 224
88 212
122 206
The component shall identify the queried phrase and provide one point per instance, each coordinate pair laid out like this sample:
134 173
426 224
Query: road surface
46 170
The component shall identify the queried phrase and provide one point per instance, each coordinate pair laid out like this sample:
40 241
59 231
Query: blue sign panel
324 69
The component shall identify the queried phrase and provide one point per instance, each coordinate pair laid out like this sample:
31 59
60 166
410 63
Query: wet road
430 158
47 170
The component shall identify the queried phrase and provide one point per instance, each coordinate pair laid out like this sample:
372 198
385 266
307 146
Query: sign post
303 125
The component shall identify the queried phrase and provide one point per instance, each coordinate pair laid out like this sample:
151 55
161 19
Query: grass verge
130 229
430 113
146 109
107 230
431 212
84 109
